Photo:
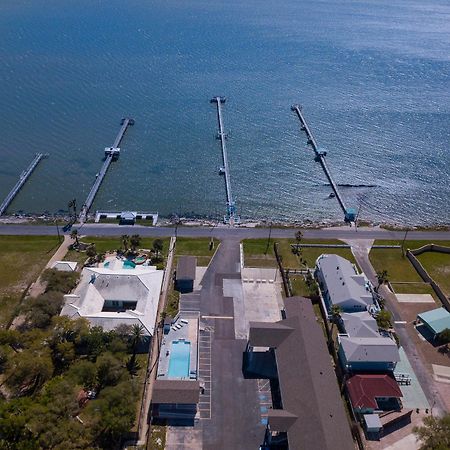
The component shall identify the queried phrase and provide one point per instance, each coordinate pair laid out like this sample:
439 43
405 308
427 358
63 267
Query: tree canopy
434 434
47 367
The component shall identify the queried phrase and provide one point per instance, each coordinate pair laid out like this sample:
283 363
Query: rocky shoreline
41 219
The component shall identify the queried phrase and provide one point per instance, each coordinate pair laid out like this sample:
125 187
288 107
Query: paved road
235 420
221 232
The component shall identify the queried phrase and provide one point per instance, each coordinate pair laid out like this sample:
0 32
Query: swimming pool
179 362
127 264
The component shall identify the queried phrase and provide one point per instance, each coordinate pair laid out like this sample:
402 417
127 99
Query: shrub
60 281
444 336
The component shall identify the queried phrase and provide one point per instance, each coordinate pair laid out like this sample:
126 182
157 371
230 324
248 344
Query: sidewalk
38 288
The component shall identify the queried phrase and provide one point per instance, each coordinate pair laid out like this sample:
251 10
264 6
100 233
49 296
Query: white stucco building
117 293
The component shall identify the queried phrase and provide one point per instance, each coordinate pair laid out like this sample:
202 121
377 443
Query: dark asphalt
222 232
235 415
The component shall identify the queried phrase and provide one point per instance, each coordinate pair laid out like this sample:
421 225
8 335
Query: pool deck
180 330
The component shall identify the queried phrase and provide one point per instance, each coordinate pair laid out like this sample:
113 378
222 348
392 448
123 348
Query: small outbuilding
436 321
127 218
175 399
167 324
185 275
65 266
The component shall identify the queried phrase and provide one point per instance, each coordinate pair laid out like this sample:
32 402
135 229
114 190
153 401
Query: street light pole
57 230
268 239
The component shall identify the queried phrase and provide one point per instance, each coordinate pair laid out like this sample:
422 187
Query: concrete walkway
38 287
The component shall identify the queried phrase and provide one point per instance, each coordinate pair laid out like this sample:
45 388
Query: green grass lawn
258 254
255 249
311 254
438 267
298 285
398 267
157 438
22 258
196 247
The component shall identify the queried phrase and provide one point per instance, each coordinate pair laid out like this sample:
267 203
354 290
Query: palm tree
137 333
74 236
136 336
335 316
135 241
125 242
158 246
91 251
298 239
382 278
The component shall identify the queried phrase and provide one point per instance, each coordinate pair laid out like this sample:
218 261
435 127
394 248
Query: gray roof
369 349
186 267
268 334
281 420
176 391
128 215
360 324
344 285
313 413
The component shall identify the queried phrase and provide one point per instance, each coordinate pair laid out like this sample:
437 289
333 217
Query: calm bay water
373 77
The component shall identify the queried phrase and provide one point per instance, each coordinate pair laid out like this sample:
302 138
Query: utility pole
268 239
403 243
57 230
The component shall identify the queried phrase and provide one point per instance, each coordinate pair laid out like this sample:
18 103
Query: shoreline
42 219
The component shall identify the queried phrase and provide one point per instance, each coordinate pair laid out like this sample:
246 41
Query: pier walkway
231 216
349 213
22 179
111 153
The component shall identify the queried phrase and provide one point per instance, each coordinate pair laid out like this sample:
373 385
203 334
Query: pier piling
111 153
22 179
231 216
349 213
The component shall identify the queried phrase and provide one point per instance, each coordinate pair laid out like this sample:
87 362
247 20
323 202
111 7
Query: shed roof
186 267
373 421
176 391
128 215
65 265
363 389
369 349
437 319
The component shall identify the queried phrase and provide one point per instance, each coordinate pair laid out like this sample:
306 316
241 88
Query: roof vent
337 268
343 283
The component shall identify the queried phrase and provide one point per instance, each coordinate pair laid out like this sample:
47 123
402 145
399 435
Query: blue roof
437 319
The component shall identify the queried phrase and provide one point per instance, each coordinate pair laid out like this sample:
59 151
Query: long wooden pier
349 213
111 153
225 170
22 179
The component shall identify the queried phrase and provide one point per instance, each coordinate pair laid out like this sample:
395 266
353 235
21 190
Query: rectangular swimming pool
180 358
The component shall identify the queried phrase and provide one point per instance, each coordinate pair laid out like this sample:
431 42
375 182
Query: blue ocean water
373 77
